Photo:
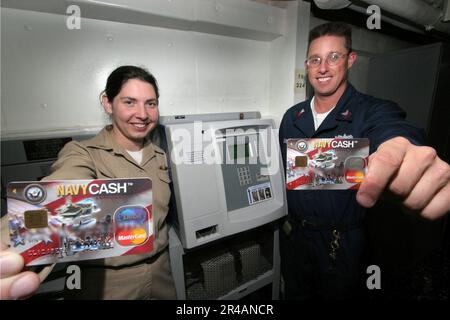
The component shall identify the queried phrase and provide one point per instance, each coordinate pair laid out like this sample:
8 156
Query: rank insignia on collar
347 114
299 113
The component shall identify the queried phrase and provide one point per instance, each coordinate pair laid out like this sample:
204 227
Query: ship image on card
72 220
326 164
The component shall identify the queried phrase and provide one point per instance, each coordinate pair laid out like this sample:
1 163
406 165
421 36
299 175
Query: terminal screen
239 151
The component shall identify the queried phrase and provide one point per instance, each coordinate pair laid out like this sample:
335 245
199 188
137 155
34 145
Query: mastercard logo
131 237
353 176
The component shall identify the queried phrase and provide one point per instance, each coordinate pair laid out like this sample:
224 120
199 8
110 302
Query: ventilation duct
428 13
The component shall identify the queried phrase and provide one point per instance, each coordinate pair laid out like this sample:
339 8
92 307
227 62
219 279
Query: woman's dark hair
339 29
124 73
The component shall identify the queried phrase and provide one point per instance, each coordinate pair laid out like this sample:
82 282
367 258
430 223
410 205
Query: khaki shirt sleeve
74 162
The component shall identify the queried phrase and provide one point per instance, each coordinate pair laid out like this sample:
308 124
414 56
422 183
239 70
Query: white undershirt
318 117
136 155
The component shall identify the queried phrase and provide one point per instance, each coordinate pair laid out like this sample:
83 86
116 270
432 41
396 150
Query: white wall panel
52 76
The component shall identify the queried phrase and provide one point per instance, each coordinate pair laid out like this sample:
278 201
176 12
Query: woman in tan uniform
120 150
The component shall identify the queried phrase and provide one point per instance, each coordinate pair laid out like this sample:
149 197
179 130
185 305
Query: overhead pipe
416 11
332 4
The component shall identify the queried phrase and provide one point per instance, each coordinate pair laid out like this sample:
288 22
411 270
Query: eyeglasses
332 59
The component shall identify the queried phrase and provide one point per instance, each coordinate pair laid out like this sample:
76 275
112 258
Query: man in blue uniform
322 242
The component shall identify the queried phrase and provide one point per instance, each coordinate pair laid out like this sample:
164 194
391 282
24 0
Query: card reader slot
206 231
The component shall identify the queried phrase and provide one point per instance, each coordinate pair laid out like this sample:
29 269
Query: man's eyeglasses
332 59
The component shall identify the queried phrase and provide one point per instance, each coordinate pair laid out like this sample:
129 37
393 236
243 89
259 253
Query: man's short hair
339 29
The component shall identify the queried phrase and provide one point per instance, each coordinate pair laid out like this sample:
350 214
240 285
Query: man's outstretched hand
414 173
